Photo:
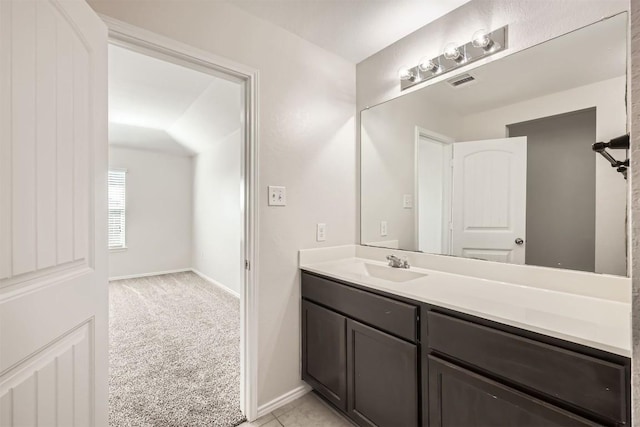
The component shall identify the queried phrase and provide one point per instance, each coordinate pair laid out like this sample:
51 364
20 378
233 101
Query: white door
489 199
433 194
53 249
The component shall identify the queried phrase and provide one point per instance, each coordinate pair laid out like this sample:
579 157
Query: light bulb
452 52
405 73
426 64
482 40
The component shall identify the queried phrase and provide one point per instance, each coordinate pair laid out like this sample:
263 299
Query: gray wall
561 196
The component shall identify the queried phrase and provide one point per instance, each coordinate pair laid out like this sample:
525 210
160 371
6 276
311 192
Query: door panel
382 377
53 251
458 397
45 181
324 352
489 199
433 194
51 384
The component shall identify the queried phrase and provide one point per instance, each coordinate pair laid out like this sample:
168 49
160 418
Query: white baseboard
156 273
280 401
216 283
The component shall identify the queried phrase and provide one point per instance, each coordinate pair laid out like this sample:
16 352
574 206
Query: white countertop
595 322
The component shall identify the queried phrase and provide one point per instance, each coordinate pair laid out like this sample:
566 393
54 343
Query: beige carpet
174 353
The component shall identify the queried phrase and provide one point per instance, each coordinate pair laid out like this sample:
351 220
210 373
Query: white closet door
489 199
53 249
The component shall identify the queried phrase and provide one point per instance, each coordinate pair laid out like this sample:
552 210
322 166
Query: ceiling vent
461 80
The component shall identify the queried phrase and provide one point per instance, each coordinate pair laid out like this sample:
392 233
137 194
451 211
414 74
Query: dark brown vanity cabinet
388 361
382 373
360 352
324 352
593 384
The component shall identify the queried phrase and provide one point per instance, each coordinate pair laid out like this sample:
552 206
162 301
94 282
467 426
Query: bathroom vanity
387 360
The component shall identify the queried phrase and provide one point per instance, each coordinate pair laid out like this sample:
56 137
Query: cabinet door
324 352
460 398
383 378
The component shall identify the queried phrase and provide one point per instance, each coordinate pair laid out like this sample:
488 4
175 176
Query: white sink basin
382 272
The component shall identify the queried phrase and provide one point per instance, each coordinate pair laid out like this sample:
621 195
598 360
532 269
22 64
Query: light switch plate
321 232
277 196
407 201
383 228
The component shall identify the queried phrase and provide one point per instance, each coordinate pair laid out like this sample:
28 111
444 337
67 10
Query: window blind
117 182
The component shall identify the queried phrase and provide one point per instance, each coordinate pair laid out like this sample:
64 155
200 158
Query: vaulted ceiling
158 105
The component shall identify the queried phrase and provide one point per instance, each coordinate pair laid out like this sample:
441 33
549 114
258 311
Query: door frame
445 140
161 47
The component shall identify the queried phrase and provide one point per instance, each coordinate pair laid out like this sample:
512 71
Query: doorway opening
182 148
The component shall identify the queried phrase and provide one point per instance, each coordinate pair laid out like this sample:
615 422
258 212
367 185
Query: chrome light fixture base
470 53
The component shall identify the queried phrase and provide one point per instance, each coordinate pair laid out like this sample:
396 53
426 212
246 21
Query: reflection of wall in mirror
387 168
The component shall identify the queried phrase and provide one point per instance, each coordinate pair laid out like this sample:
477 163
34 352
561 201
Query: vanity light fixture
452 53
483 43
428 65
405 73
482 40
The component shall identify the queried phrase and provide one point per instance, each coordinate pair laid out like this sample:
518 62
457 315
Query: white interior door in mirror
433 193
489 199
53 249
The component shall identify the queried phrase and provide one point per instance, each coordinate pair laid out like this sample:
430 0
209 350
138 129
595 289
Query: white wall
307 143
217 215
158 215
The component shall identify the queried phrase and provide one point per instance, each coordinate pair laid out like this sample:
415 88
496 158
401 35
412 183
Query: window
116 183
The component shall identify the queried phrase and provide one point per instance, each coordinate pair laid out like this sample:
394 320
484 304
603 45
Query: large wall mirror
501 167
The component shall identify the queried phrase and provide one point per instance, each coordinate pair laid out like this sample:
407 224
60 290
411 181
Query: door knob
519 241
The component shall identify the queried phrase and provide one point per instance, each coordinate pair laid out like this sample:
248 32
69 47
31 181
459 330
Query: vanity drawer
591 384
395 317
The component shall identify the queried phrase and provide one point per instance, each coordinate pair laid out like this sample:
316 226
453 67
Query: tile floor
307 411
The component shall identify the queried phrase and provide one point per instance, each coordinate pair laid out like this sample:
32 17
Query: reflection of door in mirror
433 191
489 199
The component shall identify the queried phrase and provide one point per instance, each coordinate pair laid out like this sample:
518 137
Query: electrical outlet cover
383 228
407 201
321 232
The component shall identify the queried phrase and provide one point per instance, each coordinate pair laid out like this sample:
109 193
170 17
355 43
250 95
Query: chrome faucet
396 262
